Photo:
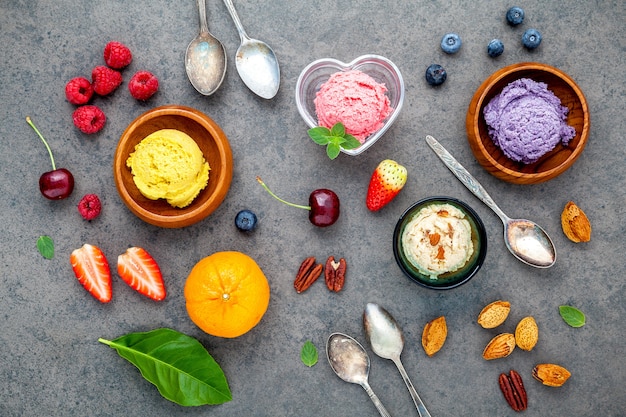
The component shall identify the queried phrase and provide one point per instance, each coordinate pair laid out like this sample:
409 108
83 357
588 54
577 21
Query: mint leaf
572 316
308 354
338 130
350 142
319 135
45 245
332 150
335 139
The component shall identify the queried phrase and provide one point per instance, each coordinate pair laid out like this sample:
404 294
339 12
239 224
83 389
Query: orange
227 294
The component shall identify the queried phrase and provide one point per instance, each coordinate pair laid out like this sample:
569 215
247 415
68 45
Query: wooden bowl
553 163
214 145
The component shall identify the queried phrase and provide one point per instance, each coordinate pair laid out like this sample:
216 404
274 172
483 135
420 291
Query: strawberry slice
387 180
92 270
139 270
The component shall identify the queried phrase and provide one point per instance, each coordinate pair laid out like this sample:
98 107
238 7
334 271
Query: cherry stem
30 122
280 199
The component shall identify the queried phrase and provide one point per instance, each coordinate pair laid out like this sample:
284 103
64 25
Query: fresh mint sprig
335 139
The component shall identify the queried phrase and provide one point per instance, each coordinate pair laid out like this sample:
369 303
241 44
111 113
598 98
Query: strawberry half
387 180
139 270
92 270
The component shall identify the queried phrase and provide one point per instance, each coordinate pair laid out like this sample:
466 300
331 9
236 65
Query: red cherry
58 183
323 205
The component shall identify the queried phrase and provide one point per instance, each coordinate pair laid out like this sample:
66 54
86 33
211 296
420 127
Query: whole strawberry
105 80
117 55
387 180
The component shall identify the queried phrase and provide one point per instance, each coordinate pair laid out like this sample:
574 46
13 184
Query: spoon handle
233 13
464 176
204 27
421 408
379 405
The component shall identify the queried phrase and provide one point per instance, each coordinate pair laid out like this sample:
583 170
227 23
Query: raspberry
143 85
89 206
117 55
78 91
89 119
105 80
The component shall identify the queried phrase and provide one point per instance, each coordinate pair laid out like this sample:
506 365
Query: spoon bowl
349 360
387 341
525 239
205 58
256 62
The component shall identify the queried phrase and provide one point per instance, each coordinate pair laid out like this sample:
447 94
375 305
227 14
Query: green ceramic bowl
446 280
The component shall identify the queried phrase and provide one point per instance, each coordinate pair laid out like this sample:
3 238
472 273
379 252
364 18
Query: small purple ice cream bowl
548 147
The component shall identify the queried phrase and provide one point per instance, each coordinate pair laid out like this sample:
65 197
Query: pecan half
307 274
513 390
335 274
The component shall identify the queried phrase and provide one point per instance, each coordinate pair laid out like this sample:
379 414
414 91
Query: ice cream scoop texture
354 99
526 121
169 164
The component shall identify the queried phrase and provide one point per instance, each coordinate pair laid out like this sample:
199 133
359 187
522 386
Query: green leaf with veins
335 139
308 354
45 245
572 316
178 365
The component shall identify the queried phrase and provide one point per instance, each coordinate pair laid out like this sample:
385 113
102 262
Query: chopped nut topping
434 238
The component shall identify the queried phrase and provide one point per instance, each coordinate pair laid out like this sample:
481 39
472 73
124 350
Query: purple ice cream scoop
526 121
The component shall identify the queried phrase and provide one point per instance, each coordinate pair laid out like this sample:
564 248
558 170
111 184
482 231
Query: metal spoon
387 341
350 362
256 62
526 240
205 58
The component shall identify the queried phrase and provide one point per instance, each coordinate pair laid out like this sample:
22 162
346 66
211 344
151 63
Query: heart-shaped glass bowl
379 68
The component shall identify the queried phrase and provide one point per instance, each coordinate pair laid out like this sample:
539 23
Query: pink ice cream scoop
354 99
526 121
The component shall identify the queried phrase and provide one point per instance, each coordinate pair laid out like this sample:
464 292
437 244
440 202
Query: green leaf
350 142
572 316
308 354
332 150
178 365
338 130
319 135
45 245
335 139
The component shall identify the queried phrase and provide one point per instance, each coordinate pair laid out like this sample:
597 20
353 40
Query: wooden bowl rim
477 103
224 178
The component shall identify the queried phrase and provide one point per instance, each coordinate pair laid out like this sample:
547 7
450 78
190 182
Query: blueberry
531 38
451 43
245 221
495 48
515 16
435 74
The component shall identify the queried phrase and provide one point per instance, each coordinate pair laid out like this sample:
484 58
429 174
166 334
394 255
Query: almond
526 333
500 346
550 374
494 314
434 335
575 223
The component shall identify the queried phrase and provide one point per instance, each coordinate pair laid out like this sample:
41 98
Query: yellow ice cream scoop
169 164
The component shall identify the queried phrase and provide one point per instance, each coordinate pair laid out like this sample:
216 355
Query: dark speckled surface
52 363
